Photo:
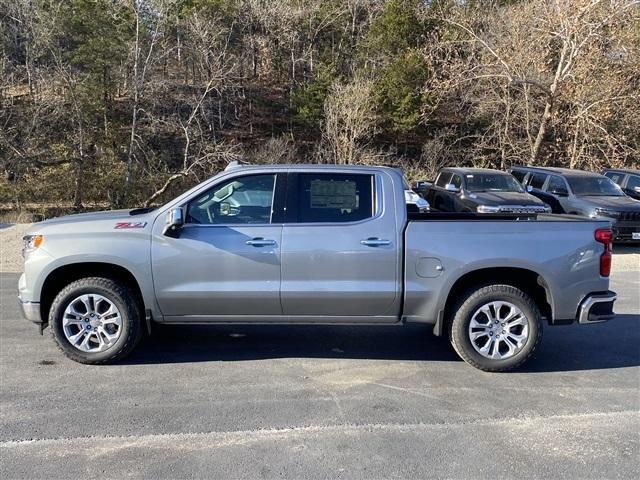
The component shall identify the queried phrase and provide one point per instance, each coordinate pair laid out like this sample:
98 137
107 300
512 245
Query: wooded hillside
121 103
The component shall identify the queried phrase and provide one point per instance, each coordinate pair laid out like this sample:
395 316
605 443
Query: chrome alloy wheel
92 323
498 330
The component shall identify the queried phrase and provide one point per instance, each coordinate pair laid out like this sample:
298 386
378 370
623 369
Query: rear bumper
596 308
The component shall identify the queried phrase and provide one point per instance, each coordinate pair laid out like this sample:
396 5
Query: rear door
341 248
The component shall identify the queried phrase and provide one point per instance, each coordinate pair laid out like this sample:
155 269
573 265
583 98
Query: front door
225 263
340 248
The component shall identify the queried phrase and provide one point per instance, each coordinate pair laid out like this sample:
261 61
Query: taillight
605 236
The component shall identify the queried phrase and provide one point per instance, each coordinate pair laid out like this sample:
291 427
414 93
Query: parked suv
627 180
584 193
481 190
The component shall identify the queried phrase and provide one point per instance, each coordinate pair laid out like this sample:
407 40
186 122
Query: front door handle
260 242
375 242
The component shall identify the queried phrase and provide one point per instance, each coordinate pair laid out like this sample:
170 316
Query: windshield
492 182
594 186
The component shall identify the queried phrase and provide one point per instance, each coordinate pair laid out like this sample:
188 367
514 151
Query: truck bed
441 248
496 217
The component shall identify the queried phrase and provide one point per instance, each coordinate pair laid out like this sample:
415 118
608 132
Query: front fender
130 251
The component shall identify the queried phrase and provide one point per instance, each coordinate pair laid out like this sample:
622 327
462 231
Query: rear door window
335 197
537 180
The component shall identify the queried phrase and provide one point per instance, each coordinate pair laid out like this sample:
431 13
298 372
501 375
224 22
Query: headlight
603 212
487 209
31 243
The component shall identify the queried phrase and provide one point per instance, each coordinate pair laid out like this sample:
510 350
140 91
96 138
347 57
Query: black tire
470 303
121 296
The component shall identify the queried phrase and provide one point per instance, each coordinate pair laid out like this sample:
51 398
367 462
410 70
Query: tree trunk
542 130
134 113
78 185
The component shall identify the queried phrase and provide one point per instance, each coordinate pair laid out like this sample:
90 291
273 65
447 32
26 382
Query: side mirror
529 188
450 187
636 189
173 223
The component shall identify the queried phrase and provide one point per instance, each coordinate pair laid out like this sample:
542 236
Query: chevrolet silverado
306 244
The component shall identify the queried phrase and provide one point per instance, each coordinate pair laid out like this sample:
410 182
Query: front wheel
496 328
96 320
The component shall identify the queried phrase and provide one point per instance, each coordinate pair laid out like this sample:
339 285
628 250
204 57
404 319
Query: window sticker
331 194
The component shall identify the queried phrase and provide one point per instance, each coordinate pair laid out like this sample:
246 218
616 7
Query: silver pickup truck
316 244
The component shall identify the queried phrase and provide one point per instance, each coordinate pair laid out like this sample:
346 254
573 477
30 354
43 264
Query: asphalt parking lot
322 402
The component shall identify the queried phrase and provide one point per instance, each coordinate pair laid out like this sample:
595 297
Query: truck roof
314 166
631 171
463 170
560 171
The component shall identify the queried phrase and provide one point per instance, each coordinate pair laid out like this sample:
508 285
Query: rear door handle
260 242
375 242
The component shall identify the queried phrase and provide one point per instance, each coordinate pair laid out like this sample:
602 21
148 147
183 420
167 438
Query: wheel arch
63 275
527 280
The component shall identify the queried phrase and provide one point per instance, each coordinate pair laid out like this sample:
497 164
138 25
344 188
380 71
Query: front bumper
524 209
623 231
30 310
28 306
596 308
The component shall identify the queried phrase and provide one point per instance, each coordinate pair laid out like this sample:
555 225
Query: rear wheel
496 328
96 320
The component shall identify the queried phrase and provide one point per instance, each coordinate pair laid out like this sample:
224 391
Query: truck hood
622 203
504 198
97 221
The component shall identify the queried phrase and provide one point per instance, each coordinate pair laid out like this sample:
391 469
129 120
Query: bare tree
141 60
349 120
524 64
207 42
277 150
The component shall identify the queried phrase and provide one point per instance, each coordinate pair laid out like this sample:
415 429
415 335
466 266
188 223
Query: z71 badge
121 225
